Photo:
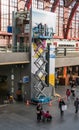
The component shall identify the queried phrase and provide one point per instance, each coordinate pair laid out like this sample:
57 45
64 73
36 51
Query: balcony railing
14 49
59 51
69 51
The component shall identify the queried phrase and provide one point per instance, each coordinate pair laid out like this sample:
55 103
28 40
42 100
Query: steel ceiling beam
67 3
54 5
70 19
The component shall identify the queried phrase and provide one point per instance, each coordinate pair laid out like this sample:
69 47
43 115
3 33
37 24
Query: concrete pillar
65 74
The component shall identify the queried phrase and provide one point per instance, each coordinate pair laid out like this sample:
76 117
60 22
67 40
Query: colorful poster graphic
42 34
52 65
42 26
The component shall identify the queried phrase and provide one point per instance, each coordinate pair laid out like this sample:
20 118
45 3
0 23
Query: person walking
76 104
73 91
39 111
61 103
72 84
68 93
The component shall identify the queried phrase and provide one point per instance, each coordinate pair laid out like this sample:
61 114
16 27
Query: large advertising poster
43 28
43 23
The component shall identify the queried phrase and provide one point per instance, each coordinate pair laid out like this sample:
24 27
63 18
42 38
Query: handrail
64 51
14 49
59 51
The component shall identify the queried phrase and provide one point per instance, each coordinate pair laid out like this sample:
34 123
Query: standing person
61 103
68 93
73 91
76 104
57 82
39 111
72 84
70 79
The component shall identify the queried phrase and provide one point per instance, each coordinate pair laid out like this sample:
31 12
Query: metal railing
14 49
59 51
69 51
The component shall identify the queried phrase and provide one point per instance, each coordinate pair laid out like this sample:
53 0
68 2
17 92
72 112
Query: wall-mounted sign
25 79
43 23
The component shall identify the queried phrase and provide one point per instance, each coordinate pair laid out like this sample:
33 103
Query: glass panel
5 2
6 13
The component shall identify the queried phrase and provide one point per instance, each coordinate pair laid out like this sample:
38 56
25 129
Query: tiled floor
19 116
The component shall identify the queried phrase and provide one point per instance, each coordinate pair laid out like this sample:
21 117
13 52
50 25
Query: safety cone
27 103
50 103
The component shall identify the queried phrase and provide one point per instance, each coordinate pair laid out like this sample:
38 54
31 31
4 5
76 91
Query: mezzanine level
21 55
14 55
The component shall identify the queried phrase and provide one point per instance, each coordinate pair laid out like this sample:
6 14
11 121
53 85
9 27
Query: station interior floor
20 116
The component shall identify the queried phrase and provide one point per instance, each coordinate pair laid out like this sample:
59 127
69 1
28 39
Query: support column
65 75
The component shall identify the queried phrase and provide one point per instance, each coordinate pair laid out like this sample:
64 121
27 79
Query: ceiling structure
67 12
67 3
74 7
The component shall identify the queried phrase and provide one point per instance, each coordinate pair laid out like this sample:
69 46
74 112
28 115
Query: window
7 6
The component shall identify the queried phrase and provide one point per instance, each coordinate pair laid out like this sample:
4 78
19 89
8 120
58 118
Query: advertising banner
42 28
52 65
43 23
